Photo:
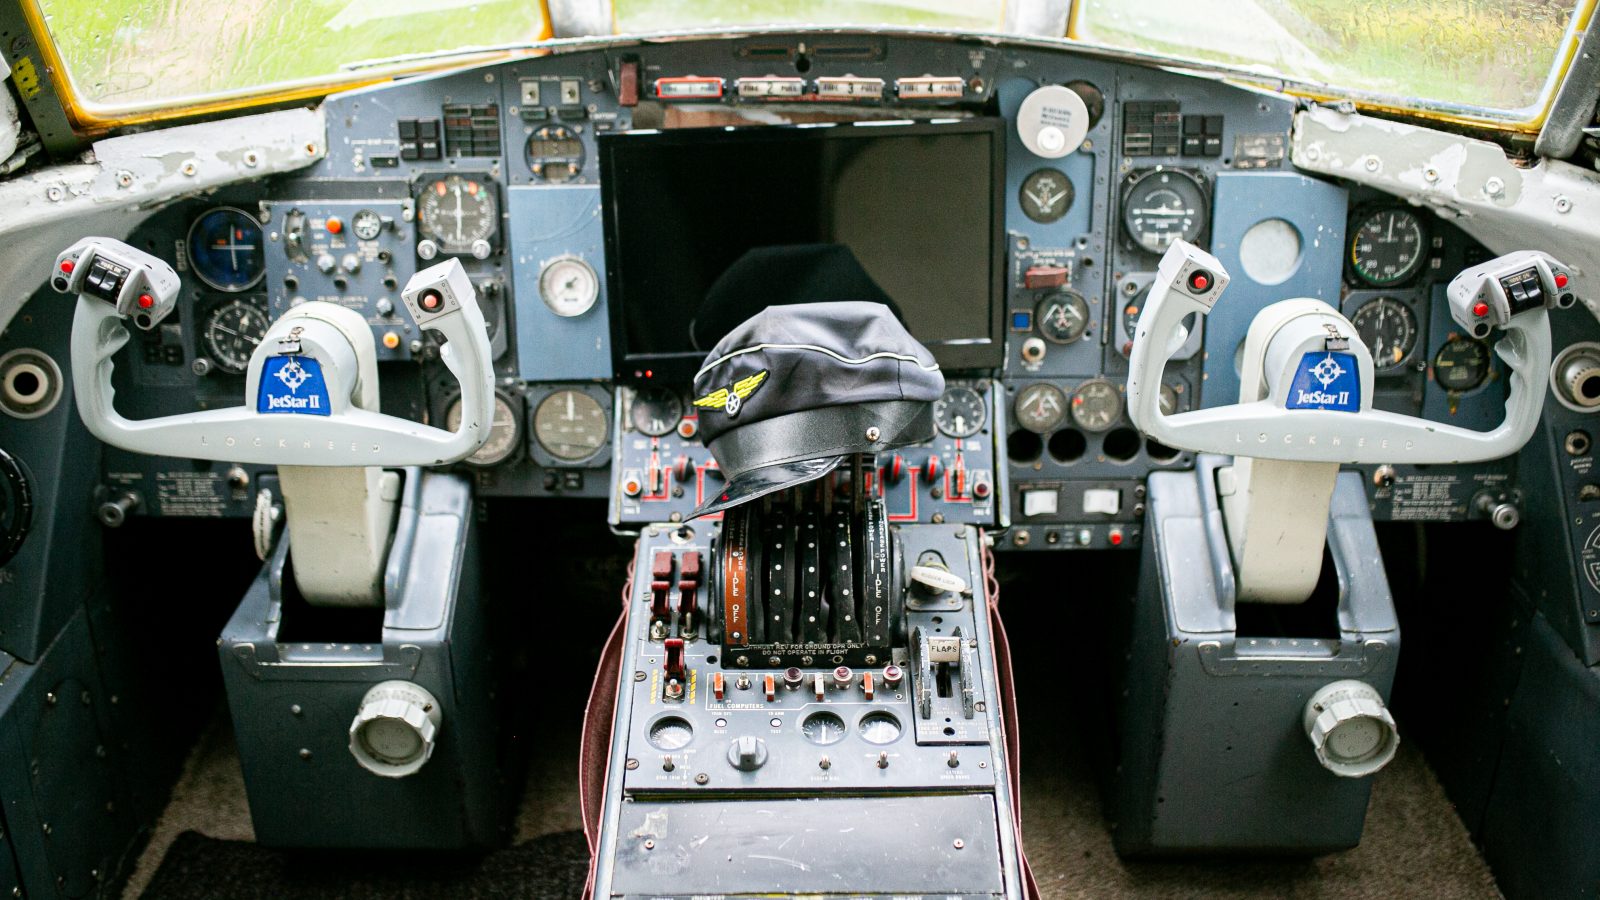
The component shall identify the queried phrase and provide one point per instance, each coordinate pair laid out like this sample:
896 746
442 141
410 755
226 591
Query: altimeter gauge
1389 329
231 332
960 412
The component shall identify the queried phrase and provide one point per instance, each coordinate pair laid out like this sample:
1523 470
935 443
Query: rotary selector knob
427 249
747 753
1350 729
481 249
396 728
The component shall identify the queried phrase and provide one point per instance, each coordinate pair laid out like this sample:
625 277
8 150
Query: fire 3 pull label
1326 380
294 385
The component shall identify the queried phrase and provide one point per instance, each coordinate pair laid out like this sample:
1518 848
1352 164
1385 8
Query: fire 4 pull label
293 384
1326 380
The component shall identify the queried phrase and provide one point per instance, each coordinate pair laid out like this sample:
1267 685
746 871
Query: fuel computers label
1326 380
294 385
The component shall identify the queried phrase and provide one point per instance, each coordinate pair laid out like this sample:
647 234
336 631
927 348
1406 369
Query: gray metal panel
1214 756
758 846
292 705
1539 830
1316 209
549 222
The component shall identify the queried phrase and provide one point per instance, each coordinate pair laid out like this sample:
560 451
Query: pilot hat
787 395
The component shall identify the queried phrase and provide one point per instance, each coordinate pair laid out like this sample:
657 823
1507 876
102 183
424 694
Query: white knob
427 249
395 729
1351 730
481 249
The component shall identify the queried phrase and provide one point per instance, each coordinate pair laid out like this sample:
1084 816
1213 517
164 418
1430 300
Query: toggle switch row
793 678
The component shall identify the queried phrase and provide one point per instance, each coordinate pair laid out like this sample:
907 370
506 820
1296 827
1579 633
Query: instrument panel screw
958 843
1372 164
741 659
124 178
305 753
50 698
702 778
872 659
873 433
631 764
1494 187
649 844
639 676
1563 204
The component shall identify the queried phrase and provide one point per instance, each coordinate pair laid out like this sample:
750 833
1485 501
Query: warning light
391 340
67 266
1115 537
1480 309
430 301
146 301
1561 279
334 226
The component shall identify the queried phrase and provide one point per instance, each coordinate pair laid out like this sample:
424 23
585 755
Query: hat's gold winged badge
731 399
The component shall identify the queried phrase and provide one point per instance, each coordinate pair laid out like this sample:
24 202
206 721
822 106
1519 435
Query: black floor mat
200 868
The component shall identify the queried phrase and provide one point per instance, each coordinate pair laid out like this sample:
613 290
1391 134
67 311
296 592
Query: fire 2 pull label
1326 380
294 385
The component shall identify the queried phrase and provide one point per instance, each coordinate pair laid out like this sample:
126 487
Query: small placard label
294 385
1326 380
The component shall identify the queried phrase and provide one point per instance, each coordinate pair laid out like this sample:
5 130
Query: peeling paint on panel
1552 206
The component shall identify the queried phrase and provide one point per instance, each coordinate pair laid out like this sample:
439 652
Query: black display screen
908 214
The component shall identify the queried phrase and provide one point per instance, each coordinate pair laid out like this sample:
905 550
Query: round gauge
823 728
1168 400
505 430
1162 206
1063 316
569 286
1041 407
879 728
960 412
1387 247
555 153
366 225
1388 328
656 410
570 425
671 733
231 332
1097 405
456 212
225 249
1461 364
1046 196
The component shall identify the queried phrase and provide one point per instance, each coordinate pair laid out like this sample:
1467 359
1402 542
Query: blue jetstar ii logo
293 384
1326 381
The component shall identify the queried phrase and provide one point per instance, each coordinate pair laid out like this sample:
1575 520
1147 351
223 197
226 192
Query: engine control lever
307 377
1306 383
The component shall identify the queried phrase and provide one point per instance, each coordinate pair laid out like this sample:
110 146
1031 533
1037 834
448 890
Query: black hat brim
759 458
749 485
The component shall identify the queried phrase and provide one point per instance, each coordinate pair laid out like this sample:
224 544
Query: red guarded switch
718 685
689 568
932 469
1041 277
674 664
661 566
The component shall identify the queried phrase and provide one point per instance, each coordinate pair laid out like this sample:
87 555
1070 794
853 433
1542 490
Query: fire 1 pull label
1326 380
294 385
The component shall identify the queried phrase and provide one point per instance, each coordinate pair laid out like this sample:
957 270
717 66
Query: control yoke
1306 383
1305 403
306 382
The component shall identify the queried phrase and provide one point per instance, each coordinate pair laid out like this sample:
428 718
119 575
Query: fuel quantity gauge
960 412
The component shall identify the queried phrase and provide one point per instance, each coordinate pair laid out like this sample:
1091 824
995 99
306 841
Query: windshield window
136 53
1497 57
666 15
